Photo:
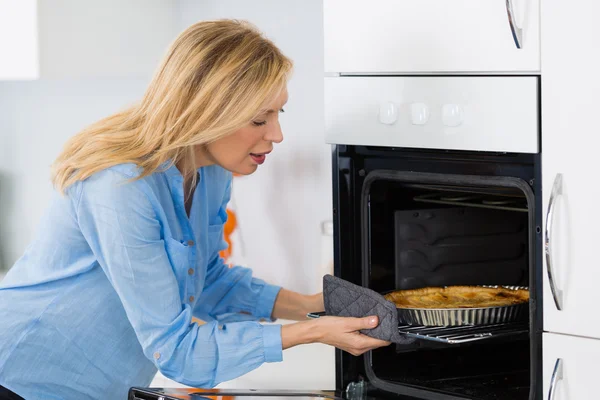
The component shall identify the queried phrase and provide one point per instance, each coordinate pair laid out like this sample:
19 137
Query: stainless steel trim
557 190
513 73
557 375
517 33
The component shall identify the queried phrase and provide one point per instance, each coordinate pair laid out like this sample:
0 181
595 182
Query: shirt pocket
216 240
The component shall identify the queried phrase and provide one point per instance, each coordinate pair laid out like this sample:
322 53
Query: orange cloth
228 229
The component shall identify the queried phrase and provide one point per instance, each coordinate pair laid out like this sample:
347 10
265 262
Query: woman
128 251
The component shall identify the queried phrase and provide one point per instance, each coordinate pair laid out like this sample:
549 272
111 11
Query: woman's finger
357 324
370 343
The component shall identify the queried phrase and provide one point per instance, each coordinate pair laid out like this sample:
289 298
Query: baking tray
465 316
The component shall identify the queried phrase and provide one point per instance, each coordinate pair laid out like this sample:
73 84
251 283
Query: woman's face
247 148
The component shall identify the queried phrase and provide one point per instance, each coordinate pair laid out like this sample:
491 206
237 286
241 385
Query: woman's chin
243 169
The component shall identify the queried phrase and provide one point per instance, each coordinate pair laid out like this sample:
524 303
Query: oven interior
423 235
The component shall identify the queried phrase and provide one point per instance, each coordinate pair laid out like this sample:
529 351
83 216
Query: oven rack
475 200
463 334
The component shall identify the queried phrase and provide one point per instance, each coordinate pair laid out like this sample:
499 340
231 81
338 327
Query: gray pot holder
345 299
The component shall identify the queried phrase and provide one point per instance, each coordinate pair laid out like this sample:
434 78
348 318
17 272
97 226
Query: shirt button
190 242
191 271
157 355
191 299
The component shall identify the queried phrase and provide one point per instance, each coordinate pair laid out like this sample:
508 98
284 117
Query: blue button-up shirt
105 294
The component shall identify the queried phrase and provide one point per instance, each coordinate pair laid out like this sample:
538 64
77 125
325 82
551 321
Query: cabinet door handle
557 376
557 190
517 32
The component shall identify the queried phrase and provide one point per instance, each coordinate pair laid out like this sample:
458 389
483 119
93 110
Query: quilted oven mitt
345 299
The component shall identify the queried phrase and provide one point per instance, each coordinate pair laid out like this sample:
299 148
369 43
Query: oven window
424 235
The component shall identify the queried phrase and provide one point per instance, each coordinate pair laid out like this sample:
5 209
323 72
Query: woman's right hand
340 332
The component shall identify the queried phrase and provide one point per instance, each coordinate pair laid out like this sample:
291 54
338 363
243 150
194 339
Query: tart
458 297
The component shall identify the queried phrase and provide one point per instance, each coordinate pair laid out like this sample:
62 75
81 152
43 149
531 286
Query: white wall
94 59
36 118
104 38
18 40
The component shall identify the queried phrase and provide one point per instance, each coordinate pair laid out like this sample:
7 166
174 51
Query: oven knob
452 114
419 113
388 113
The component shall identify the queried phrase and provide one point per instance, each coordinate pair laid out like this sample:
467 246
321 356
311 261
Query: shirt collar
171 171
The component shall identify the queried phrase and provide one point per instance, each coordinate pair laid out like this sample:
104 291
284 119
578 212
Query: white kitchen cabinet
58 39
570 104
570 367
18 40
395 36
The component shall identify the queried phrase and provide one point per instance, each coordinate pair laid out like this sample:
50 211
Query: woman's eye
261 123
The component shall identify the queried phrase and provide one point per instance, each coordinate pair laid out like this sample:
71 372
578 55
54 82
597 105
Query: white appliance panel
496 114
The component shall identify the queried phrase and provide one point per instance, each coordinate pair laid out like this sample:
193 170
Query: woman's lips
258 158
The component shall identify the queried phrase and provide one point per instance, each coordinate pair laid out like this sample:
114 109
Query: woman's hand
342 333
315 303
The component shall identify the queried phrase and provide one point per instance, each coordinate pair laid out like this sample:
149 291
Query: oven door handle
557 376
517 32
557 190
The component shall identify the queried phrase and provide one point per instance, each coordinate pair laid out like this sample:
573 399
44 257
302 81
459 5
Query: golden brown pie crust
458 297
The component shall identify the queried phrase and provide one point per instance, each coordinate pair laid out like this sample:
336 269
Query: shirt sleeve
120 220
232 293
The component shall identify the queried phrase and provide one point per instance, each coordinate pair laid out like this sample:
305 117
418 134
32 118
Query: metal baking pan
464 316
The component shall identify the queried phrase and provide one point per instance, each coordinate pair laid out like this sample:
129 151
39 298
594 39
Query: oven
437 182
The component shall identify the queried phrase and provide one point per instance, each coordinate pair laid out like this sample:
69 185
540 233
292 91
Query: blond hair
214 80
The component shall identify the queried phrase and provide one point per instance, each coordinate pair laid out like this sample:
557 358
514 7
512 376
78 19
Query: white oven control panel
478 113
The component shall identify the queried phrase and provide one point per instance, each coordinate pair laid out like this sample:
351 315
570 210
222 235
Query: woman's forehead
275 103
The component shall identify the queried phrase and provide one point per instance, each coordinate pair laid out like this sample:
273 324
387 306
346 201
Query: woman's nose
274 134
